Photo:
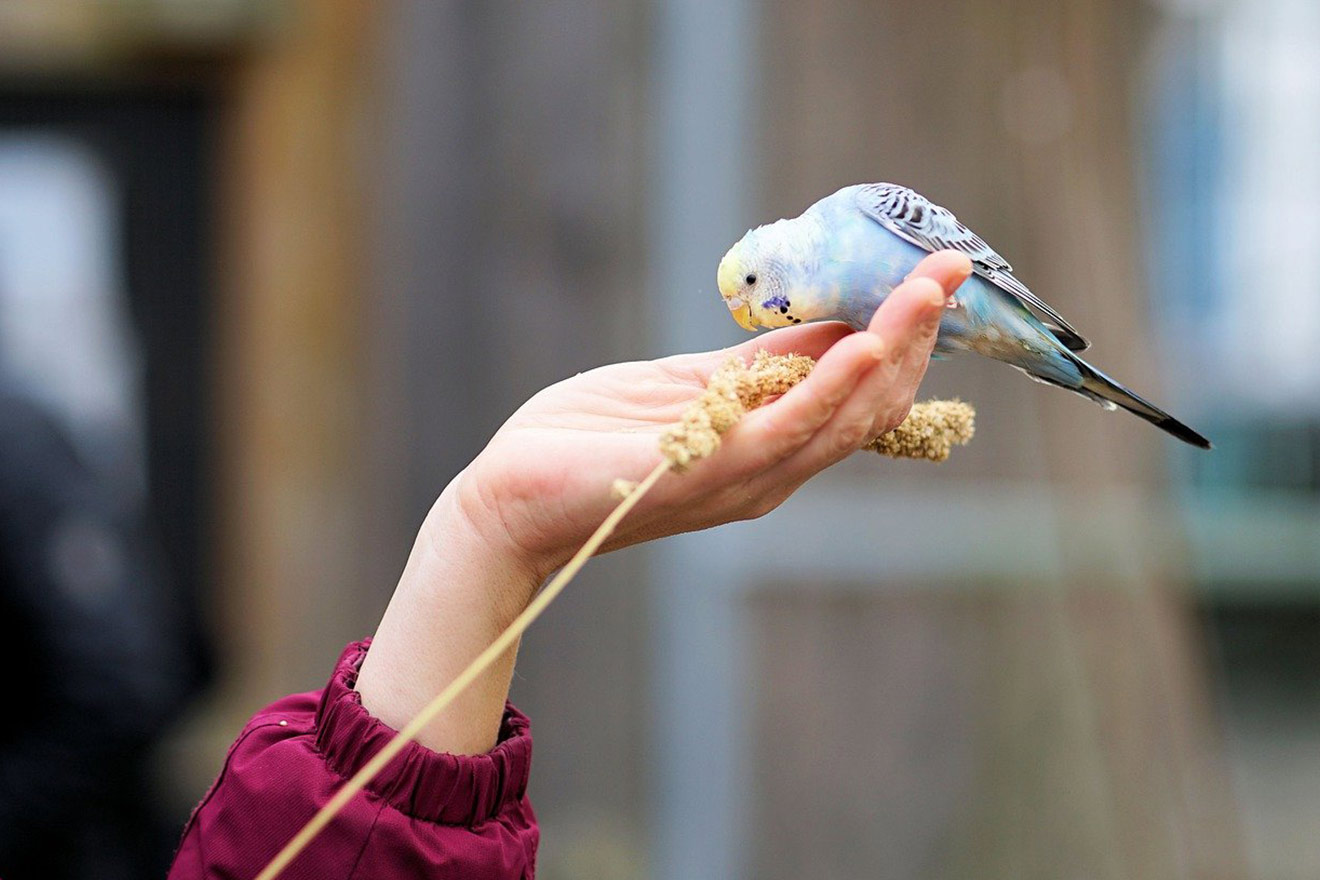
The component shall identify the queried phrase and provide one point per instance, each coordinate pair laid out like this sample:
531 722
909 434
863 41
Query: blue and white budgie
844 255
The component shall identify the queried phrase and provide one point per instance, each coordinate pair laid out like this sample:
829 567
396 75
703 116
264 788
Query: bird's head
752 280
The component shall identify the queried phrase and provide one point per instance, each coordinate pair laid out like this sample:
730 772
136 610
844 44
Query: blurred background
272 272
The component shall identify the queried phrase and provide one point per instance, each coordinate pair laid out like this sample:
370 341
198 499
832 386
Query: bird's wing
914 218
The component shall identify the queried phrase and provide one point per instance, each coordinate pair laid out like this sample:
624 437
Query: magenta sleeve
426 815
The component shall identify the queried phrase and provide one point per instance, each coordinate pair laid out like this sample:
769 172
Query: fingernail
933 290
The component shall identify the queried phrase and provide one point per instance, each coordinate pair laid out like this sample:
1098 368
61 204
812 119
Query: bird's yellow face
732 278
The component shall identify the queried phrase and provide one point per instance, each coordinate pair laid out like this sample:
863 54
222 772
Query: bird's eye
751 278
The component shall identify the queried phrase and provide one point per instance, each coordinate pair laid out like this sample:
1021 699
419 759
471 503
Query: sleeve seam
252 728
366 839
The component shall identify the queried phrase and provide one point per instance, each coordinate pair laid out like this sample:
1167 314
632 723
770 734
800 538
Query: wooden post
289 382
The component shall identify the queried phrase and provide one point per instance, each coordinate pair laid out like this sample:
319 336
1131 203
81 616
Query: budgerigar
844 255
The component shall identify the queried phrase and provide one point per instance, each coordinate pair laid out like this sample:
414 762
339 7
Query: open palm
542 483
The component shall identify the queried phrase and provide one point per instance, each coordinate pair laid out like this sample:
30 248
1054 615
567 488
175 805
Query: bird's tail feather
1106 391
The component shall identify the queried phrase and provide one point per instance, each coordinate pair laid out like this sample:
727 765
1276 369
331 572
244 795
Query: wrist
465 581
463 533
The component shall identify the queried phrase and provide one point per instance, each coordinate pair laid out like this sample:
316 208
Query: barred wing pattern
914 218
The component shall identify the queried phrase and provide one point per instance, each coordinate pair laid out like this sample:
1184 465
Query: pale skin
541 486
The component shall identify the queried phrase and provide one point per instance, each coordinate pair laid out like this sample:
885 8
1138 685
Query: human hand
541 486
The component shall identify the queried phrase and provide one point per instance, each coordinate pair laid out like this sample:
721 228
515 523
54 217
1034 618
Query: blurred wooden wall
298 115
432 212
963 727
506 236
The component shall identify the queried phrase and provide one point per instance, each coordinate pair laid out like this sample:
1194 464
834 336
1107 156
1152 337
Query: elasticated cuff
434 786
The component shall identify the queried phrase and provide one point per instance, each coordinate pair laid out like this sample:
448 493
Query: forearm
459 590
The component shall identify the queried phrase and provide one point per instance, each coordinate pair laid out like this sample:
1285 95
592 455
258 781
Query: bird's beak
742 313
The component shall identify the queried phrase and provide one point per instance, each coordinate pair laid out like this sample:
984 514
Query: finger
809 339
853 423
907 329
948 269
770 433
